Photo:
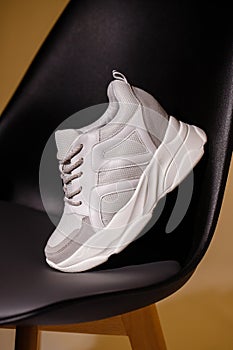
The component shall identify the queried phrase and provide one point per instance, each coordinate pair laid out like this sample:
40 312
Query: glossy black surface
31 285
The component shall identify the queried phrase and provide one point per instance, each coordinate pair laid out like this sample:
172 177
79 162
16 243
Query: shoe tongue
64 139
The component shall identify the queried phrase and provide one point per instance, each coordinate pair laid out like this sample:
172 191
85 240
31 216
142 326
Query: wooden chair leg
141 326
27 338
143 329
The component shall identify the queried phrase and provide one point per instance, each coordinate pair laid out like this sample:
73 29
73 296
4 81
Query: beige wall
200 315
24 25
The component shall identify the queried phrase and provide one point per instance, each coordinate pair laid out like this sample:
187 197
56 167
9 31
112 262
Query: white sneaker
114 173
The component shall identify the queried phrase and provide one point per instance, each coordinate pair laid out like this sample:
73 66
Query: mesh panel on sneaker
128 105
125 112
106 218
112 203
126 173
129 146
155 117
109 130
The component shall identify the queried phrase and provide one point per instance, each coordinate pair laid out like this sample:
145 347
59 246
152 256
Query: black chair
181 53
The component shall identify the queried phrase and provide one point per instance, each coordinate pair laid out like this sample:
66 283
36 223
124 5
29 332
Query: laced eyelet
66 167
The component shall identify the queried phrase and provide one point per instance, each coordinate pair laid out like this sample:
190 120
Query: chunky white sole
177 155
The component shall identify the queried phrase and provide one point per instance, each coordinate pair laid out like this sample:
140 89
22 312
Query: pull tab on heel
119 76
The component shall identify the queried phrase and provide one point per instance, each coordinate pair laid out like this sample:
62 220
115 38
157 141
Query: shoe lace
66 169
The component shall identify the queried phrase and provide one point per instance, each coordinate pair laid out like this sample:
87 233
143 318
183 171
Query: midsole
100 256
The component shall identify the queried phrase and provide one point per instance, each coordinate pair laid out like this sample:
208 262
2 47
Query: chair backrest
178 51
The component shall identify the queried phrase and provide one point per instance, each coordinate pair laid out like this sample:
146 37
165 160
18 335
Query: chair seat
30 287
